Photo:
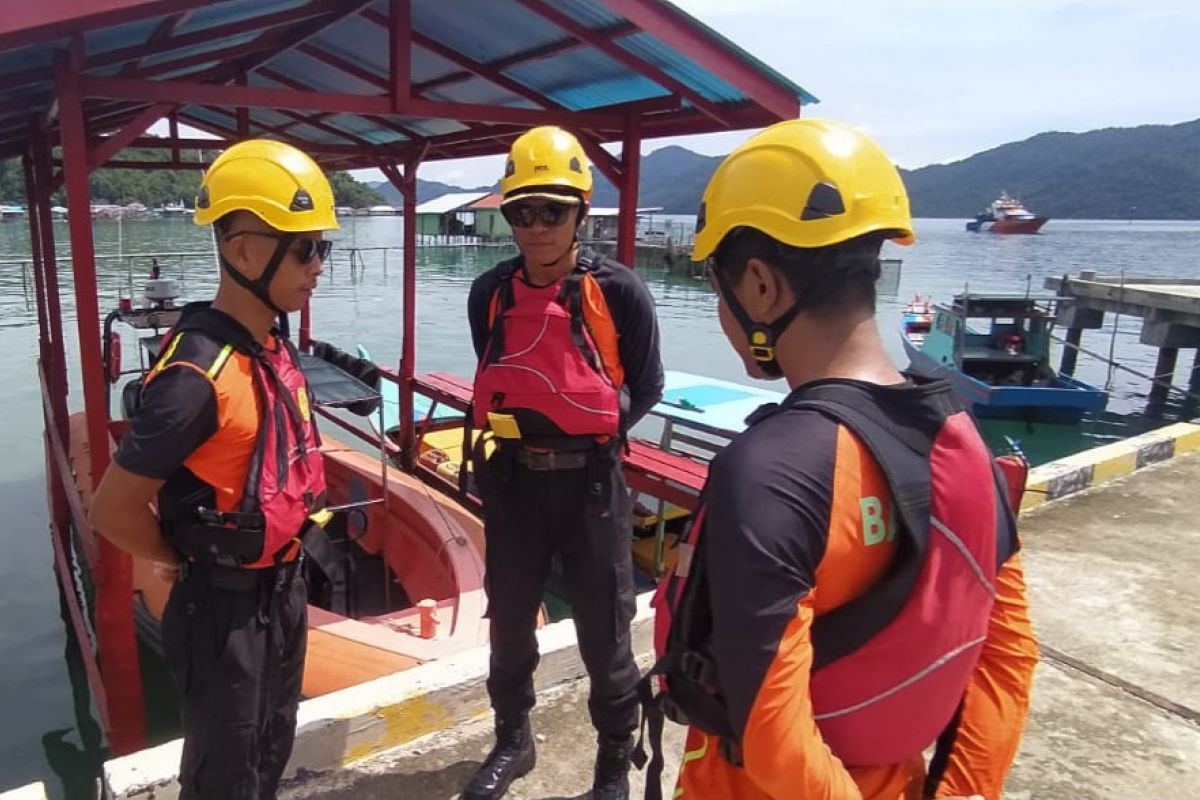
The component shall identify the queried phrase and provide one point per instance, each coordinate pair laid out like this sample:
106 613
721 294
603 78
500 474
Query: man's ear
764 291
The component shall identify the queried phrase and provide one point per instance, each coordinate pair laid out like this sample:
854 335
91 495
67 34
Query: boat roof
321 73
1002 305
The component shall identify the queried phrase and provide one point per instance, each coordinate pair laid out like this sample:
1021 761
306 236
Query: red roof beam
26 23
677 31
313 148
165 30
623 56
112 145
184 92
262 22
400 41
295 35
342 65
382 122
148 165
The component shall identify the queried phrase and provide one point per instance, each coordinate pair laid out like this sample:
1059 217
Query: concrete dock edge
33 791
1098 466
349 725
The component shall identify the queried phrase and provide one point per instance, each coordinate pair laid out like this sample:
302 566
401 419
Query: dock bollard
427 609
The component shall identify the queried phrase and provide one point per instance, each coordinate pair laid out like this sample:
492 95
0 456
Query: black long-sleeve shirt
632 310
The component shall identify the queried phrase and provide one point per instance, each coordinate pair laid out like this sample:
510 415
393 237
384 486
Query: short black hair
825 280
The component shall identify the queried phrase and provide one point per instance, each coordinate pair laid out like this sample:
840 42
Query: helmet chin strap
761 336
260 288
583 210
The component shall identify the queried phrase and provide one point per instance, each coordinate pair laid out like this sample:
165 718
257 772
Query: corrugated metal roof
455 201
499 54
489 202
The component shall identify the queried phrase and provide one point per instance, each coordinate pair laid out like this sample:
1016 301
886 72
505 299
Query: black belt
236 579
550 460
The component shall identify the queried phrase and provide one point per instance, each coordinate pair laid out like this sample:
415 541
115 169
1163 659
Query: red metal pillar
56 373
408 354
35 248
243 113
114 569
631 160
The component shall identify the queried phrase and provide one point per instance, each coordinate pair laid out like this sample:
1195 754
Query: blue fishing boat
995 350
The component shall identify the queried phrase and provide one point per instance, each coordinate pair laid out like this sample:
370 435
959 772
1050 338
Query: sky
936 81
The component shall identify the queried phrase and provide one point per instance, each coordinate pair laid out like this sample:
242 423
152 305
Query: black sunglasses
523 215
304 248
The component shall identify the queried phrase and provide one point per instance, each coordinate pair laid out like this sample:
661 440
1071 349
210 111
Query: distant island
1147 172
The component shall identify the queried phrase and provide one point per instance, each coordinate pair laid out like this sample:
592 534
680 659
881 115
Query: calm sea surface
49 734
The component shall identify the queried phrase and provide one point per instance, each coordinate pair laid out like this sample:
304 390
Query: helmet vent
701 217
510 169
301 201
575 166
823 201
202 198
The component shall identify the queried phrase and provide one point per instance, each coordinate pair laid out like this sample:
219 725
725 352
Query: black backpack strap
503 299
570 297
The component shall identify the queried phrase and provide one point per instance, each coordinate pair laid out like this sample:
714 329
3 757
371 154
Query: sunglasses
304 248
523 215
715 281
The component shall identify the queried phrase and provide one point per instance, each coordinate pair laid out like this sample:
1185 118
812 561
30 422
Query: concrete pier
1169 309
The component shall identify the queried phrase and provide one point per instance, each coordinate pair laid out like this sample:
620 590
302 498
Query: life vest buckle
697 668
672 710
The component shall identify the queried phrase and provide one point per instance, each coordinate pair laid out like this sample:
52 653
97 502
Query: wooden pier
1169 309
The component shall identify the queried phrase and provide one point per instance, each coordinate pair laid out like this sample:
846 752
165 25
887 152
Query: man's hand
167 573
121 513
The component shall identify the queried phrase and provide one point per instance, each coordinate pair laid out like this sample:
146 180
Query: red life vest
890 667
550 368
285 482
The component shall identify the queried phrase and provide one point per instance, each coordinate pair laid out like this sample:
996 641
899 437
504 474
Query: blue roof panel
129 35
483 31
671 61
478 90
214 46
232 11
589 12
319 75
366 130
584 79
359 41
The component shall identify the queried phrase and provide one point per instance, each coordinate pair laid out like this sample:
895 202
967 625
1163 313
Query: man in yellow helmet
224 439
568 360
850 593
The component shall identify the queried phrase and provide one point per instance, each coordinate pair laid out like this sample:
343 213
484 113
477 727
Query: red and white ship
1007 215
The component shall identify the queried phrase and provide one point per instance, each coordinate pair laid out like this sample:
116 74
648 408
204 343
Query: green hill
1148 172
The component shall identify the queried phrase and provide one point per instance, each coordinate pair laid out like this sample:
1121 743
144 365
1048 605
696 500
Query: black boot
611 778
511 758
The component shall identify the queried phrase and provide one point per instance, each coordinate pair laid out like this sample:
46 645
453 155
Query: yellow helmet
547 157
805 183
279 184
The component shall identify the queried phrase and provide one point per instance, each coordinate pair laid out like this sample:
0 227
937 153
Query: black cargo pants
583 516
235 641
